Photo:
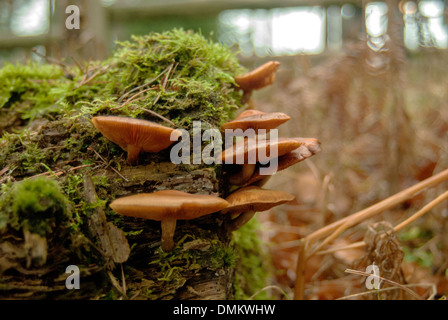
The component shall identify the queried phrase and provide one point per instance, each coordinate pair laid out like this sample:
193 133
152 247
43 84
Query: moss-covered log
59 175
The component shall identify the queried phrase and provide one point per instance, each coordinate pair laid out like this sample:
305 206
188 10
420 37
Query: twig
5 169
354 245
365 274
60 172
115 283
78 64
156 115
330 238
107 164
354 219
432 285
299 287
50 59
163 84
85 81
131 99
127 102
381 206
422 211
123 280
143 85
268 288
400 226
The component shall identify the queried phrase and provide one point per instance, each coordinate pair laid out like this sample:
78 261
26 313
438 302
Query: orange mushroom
261 77
257 79
308 148
249 151
136 135
245 202
257 120
168 206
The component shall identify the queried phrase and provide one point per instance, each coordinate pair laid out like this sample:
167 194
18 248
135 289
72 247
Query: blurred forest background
367 78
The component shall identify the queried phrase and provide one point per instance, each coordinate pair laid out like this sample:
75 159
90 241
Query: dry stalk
400 226
343 224
399 285
108 164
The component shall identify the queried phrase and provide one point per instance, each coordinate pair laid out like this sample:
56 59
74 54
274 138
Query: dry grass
382 119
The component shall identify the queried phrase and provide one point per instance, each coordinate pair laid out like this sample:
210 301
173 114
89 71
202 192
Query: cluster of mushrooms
168 206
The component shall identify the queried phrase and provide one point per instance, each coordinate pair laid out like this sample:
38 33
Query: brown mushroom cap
258 78
168 204
308 148
255 199
262 149
253 119
135 135
245 202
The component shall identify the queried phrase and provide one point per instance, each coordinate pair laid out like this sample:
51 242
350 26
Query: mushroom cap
258 78
254 119
255 199
262 150
308 148
168 204
146 135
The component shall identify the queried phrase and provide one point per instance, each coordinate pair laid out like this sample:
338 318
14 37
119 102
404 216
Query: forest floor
383 129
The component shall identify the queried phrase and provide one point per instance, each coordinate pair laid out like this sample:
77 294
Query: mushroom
168 206
254 119
308 148
261 77
245 202
242 151
136 135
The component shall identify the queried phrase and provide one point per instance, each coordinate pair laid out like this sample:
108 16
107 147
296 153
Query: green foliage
413 239
177 74
187 76
37 204
187 259
28 89
252 267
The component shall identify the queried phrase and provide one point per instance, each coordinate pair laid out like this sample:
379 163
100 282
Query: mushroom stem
241 220
133 152
247 94
168 228
244 175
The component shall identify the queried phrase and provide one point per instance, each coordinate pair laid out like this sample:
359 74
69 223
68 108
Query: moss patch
38 205
46 129
252 268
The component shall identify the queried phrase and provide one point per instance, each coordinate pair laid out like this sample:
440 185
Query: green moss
188 77
36 204
252 267
27 89
192 254
177 74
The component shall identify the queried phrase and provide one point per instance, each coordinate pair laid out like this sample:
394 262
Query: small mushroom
245 202
136 135
308 148
257 120
261 77
260 151
168 206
